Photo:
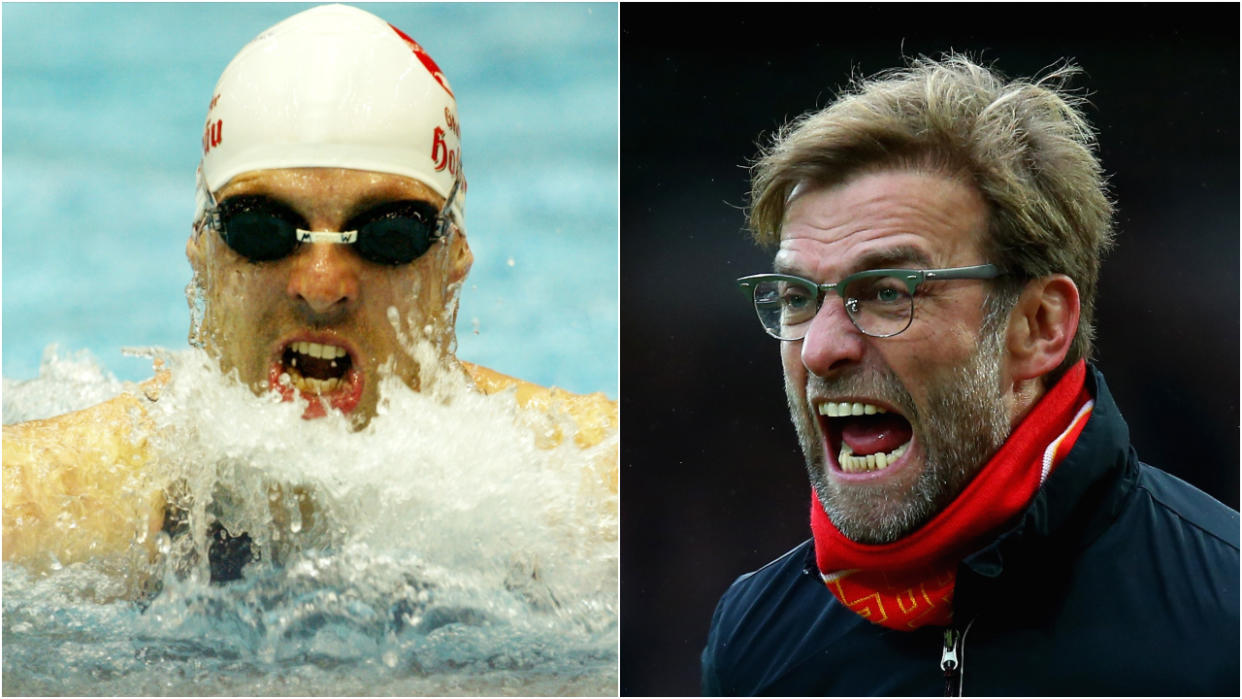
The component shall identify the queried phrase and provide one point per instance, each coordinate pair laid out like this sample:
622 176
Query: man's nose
324 277
832 341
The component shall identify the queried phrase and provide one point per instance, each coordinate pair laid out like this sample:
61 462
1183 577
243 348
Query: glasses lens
397 233
257 228
785 307
879 305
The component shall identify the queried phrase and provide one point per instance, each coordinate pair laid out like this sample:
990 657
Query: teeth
847 409
314 386
871 462
314 349
305 384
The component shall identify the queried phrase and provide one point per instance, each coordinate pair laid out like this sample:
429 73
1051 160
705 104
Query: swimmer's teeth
848 409
871 462
319 351
314 349
314 386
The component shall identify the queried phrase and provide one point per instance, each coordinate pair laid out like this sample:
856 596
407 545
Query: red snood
909 582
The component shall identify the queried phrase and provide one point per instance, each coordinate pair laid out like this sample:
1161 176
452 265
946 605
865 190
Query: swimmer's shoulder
596 414
76 485
113 426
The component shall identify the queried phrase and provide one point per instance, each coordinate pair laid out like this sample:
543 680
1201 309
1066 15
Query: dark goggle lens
393 234
257 229
397 233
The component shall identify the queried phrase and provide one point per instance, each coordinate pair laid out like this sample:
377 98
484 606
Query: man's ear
1042 326
461 258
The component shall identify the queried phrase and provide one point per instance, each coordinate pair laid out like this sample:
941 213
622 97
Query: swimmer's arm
595 416
77 486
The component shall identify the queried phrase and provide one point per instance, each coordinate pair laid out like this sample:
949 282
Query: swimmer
329 240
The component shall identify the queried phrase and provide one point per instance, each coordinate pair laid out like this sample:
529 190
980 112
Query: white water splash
65 383
439 550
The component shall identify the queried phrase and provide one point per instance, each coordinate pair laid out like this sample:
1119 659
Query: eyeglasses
261 229
880 302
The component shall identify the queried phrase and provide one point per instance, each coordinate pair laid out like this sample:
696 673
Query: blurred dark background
712 480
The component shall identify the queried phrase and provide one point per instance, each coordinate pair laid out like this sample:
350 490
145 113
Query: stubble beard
962 425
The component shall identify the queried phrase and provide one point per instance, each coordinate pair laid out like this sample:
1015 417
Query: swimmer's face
323 320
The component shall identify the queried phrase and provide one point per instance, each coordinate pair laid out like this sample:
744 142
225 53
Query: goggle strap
342 237
208 213
445 215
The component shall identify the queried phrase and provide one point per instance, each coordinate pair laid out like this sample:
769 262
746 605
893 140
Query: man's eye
878 290
888 295
796 299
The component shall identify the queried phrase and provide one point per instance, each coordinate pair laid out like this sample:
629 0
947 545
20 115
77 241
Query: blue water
103 106
452 558
455 557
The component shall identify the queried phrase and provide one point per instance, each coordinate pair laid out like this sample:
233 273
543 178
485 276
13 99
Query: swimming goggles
396 233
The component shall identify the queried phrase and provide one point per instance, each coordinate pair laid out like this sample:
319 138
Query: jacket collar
1077 502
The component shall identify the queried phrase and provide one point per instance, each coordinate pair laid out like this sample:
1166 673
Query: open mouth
865 437
319 371
314 367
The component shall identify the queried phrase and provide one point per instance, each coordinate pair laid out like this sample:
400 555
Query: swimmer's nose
324 278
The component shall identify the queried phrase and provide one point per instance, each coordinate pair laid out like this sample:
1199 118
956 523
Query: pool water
447 550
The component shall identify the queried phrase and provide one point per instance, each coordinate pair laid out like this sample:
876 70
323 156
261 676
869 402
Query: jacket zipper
949 663
952 655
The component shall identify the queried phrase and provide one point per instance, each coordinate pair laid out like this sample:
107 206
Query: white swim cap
335 86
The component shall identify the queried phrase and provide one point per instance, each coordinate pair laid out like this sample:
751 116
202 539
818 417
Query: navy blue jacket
1118 579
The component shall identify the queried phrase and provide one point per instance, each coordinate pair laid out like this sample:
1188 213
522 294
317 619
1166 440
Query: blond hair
1024 144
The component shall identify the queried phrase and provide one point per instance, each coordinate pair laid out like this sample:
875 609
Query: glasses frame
912 278
210 219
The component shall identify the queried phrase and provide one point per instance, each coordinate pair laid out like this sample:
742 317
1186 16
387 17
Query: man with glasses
938 234
328 249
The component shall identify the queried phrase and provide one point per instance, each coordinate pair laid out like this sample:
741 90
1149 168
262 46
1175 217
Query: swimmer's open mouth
314 367
320 371
863 436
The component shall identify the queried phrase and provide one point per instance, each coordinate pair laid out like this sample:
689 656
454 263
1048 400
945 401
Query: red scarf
909 583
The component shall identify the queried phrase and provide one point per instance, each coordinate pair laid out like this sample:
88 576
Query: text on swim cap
212 132
442 155
212 135
452 122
